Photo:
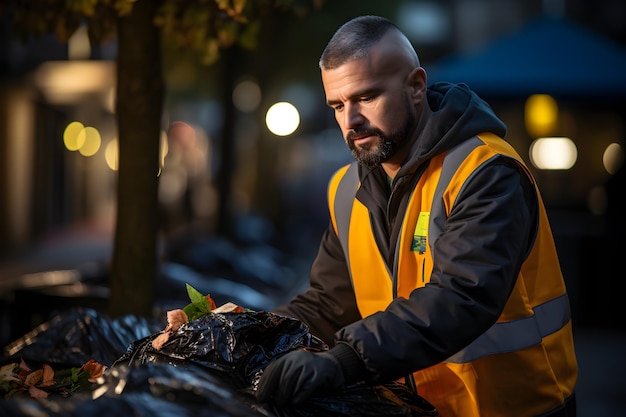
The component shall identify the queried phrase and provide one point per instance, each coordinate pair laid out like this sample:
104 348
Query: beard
375 153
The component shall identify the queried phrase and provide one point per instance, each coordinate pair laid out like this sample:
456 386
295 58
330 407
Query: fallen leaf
33 378
228 308
95 369
48 376
175 319
7 373
211 302
160 340
37 393
23 366
24 370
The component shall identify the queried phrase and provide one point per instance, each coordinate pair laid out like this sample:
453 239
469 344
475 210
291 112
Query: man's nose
353 116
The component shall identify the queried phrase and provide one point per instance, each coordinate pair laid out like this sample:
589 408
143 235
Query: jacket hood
456 114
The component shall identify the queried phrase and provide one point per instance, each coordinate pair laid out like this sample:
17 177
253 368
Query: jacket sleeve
328 304
477 258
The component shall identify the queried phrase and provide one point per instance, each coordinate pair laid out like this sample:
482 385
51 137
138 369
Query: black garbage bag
78 335
236 346
71 338
144 390
208 367
182 391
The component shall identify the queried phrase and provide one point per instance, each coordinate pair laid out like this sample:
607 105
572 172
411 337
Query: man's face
372 108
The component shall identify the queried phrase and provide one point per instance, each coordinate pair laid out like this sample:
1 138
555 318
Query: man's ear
417 84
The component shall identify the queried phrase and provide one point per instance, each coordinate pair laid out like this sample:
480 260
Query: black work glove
295 376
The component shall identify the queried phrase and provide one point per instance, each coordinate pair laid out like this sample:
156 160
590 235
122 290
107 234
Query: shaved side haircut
353 40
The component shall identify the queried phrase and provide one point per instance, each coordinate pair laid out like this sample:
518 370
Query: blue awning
548 55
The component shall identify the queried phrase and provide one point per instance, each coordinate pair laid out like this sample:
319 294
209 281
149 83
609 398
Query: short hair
354 39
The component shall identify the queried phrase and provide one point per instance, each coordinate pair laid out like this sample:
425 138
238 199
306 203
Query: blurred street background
247 146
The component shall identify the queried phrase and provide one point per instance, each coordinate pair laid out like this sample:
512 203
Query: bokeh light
282 119
92 142
553 153
613 158
84 139
111 154
74 136
247 96
164 149
541 115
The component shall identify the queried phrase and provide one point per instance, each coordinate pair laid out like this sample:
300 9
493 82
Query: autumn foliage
20 379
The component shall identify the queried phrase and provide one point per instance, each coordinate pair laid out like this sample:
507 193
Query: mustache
361 132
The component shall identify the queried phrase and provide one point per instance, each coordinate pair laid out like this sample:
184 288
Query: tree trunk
230 61
140 95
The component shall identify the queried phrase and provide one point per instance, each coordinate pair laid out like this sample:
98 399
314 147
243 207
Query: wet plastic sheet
208 367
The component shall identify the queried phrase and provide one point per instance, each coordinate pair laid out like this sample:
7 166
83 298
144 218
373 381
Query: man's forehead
380 62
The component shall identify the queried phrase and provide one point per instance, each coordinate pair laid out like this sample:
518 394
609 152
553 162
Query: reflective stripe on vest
516 335
344 198
502 337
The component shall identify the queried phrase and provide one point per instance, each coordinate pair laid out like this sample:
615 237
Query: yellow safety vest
525 364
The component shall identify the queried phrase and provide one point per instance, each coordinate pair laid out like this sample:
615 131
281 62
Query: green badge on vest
421 232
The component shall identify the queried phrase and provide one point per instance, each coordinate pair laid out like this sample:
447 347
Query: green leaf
62 374
194 312
199 306
197 298
83 379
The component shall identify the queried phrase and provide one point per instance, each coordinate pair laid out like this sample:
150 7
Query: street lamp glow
111 154
74 136
613 158
92 141
282 119
553 153
541 114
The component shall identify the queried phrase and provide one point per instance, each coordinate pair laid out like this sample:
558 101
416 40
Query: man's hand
294 377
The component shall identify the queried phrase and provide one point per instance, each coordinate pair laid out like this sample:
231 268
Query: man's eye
338 107
367 99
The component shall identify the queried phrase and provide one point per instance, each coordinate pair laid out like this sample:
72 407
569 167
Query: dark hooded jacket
439 322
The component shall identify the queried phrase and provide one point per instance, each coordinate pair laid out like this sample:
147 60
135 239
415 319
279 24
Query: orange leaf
33 378
211 302
24 370
48 376
95 369
160 340
175 319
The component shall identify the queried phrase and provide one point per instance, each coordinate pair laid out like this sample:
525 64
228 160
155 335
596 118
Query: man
438 262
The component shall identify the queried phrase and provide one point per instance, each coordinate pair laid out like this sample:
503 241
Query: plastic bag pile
208 367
